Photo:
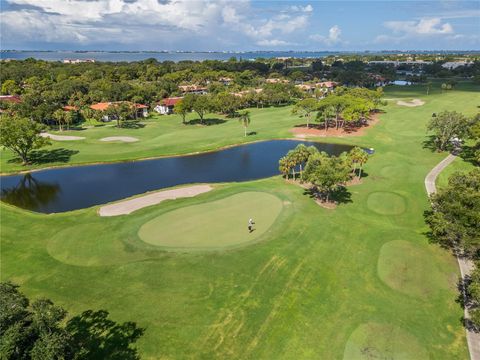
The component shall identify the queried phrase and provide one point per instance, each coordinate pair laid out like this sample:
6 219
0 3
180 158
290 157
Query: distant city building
398 63
450 65
78 61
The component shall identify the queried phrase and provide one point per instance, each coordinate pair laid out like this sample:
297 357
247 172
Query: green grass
383 341
458 165
215 224
161 136
319 284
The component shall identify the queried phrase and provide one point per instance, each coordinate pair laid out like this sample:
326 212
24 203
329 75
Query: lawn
357 282
160 136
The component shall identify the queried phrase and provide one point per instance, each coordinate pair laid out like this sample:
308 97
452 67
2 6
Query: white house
166 106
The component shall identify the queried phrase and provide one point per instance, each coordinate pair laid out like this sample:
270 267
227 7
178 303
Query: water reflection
30 193
71 188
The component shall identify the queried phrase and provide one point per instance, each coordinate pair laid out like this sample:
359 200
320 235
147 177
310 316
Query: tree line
454 217
41 330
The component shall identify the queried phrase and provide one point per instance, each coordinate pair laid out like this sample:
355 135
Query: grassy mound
386 203
383 341
412 270
215 224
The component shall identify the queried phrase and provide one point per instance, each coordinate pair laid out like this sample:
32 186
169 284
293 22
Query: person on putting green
250 225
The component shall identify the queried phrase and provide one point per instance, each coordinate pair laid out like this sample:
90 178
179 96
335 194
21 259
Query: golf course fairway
214 224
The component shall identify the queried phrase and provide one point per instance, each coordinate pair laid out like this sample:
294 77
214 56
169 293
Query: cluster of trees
39 330
450 125
229 103
345 106
326 173
454 222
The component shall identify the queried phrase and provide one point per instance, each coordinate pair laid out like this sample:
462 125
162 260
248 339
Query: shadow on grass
39 157
340 196
468 154
429 143
207 122
98 337
131 125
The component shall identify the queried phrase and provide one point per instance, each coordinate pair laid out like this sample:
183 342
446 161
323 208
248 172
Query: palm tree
301 157
363 158
244 119
59 116
284 166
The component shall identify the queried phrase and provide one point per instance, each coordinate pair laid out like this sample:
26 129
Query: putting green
412 270
383 341
386 203
216 224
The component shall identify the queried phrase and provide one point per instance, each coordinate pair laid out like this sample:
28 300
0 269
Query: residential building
166 106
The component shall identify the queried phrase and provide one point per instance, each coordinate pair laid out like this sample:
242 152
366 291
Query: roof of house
170 101
327 84
11 98
70 108
186 88
276 80
102 106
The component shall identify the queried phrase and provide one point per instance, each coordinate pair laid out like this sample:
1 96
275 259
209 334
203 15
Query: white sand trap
413 103
120 138
128 206
61 137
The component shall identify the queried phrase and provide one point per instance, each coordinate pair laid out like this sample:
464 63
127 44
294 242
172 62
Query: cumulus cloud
131 21
332 38
264 30
272 43
424 26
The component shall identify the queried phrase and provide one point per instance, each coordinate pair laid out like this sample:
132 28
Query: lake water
179 56
160 56
71 188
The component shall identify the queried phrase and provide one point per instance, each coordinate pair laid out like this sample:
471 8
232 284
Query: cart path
126 207
466 266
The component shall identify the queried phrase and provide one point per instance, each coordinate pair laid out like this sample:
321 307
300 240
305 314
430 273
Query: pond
77 187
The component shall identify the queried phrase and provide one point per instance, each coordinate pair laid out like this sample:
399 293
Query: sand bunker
412 103
128 206
61 137
120 138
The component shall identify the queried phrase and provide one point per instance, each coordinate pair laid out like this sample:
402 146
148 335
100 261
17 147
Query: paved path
466 266
128 206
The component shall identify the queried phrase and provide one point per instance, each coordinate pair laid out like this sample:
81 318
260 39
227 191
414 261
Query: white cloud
307 9
263 31
333 36
126 21
272 42
424 26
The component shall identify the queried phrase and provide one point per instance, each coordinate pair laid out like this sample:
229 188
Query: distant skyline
241 25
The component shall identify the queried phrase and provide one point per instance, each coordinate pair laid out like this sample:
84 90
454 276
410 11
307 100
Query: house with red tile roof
192 89
141 110
11 98
166 106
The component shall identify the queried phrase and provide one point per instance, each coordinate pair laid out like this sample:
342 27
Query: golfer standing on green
250 225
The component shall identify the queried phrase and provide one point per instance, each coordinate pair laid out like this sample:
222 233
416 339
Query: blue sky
217 25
